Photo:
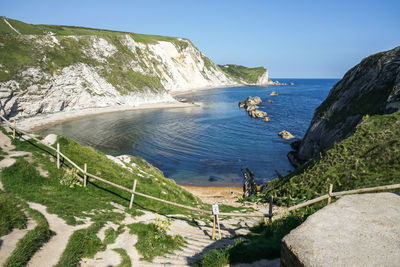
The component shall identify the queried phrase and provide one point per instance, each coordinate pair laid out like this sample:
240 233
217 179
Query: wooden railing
133 191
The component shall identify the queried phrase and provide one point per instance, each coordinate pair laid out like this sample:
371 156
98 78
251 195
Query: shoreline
217 194
40 122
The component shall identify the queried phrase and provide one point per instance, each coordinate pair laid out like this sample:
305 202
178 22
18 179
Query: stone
249 185
286 135
269 101
291 83
356 230
258 114
273 93
250 101
267 119
50 139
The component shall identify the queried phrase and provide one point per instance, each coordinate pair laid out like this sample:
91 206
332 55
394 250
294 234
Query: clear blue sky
292 38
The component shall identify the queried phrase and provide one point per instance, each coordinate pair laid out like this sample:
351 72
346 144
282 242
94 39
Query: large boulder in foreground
371 87
356 230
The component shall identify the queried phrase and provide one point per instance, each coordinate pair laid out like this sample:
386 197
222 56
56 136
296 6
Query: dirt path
198 241
6 21
51 251
9 242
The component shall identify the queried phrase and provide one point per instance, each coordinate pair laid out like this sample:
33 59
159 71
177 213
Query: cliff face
244 75
46 68
371 87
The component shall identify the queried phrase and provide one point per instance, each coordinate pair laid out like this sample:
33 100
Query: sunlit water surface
210 144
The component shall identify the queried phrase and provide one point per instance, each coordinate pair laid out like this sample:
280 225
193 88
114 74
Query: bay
210 144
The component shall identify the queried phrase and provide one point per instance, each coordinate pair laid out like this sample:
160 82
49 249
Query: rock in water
267 119
258 114
273 93
249 185
269 101
286 135
371 87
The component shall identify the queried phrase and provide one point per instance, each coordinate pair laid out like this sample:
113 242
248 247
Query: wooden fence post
84 175
213 230
58 155
330 193
133 195
270 209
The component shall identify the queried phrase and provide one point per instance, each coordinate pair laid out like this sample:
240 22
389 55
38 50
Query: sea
212 143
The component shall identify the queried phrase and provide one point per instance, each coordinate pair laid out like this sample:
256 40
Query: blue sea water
210 144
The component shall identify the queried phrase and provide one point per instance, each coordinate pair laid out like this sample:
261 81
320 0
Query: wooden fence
133 191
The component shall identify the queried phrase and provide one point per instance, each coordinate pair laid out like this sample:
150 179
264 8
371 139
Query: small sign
215 209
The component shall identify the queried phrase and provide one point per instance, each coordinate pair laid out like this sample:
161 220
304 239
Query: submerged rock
273 93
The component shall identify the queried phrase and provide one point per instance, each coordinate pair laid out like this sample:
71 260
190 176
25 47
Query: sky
291 38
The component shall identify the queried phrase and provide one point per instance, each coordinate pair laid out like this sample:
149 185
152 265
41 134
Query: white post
133 195
84 175
58 155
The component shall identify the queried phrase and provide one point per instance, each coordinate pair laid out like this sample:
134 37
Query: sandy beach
217 195
46 120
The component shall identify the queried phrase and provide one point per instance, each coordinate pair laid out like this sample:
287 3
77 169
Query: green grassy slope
370 157
77 202
241 73
11 215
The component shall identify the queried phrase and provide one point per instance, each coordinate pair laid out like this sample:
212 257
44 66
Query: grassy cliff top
371 157
241 73
39 29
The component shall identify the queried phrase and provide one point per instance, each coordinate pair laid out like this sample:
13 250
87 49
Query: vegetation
154 241
11 216
32 241
371 157
126 261
263 243
82 243
241 73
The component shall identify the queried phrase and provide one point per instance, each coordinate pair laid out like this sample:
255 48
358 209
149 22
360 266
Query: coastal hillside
241 74
370 157
371 87
47 68
49 218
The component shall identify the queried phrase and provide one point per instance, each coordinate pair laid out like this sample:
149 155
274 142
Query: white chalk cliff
53 71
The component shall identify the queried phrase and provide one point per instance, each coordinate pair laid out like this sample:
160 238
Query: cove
210 144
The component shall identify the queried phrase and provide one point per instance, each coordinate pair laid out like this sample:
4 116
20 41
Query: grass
126 260
370 157
82 243
243 74
11 216
111 234
77 202
154 242
32 241
263 243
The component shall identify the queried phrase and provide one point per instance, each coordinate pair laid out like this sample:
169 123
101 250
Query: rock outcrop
356 230
286 135
250 104
371 87
48 69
